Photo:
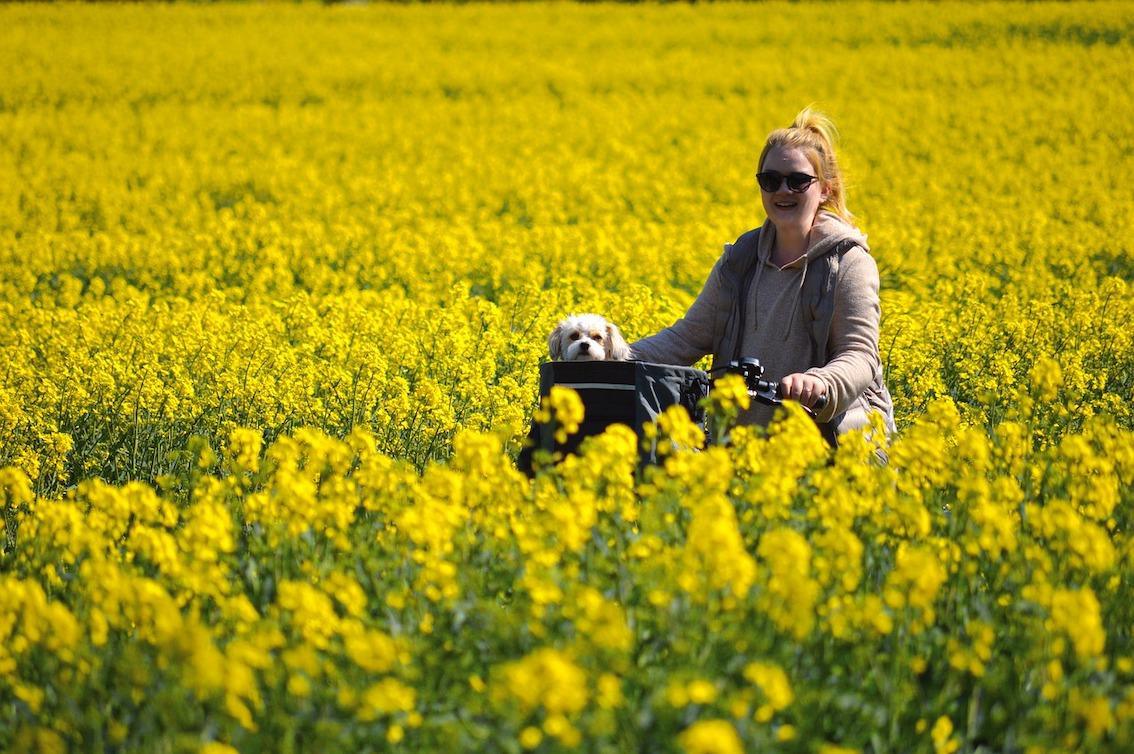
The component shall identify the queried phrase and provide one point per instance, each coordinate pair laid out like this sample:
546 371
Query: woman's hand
804 388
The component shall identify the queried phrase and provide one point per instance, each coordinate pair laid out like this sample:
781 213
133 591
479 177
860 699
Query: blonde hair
813 133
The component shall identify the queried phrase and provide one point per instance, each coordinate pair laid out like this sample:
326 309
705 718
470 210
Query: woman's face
784 207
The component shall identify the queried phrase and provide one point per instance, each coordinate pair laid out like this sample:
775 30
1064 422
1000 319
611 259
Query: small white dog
587 337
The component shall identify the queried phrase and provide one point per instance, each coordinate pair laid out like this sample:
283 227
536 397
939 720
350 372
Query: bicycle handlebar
767 392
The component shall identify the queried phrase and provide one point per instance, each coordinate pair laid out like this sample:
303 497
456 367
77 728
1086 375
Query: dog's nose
584 346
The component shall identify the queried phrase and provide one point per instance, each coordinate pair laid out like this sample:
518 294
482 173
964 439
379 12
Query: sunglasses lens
799 182
769 181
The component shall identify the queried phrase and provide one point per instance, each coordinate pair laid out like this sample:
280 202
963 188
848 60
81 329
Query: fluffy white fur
587 337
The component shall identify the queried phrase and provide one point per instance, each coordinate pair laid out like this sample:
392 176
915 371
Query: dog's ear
616 346
555 342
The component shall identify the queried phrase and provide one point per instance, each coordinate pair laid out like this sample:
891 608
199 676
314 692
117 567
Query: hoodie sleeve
690 338
853 346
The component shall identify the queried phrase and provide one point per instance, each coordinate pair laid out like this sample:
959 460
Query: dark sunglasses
797 183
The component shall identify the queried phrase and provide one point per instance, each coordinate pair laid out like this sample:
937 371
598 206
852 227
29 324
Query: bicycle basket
616 392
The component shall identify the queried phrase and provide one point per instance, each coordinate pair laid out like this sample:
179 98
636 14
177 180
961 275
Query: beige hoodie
775 332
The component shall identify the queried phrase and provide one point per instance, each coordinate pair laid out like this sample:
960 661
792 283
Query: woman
800 293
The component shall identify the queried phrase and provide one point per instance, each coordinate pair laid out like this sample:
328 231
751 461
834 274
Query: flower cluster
275 286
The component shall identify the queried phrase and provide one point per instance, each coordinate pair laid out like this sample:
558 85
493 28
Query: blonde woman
799 293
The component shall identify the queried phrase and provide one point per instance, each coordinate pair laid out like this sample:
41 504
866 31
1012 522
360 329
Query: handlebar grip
820 403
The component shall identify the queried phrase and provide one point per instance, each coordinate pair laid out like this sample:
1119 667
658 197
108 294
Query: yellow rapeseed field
275 282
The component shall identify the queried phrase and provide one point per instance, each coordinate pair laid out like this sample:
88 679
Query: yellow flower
564 407
791 591
773 683
372 650
530 737
1076 614
1046 377
15 487
677 431
546 678
298 685
728 398
609 691
558 726
942 734
243 450
1094 710
385 697
973 654
701 691
710 737
914 583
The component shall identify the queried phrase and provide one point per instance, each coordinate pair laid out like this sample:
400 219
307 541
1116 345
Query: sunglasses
797 183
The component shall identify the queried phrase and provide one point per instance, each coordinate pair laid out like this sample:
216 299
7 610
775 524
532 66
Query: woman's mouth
785 205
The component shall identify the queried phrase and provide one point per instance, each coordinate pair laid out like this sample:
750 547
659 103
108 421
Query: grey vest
818 308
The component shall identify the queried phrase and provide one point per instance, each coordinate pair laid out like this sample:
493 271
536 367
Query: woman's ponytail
815 134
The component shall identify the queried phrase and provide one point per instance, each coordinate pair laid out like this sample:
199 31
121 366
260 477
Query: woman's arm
853 344
689 338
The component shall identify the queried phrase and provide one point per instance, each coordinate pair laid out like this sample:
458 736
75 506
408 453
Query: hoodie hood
827 232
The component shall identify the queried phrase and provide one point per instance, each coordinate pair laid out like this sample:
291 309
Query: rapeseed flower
711 737
263 385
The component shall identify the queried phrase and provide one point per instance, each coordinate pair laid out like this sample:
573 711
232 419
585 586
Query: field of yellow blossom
275 282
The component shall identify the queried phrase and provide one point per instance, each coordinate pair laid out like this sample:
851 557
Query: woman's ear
555 343
616 346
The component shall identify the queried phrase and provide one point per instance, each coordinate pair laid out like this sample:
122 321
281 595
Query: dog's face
587 337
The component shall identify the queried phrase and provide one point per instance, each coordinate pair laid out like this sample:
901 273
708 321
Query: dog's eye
574 336
595 336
